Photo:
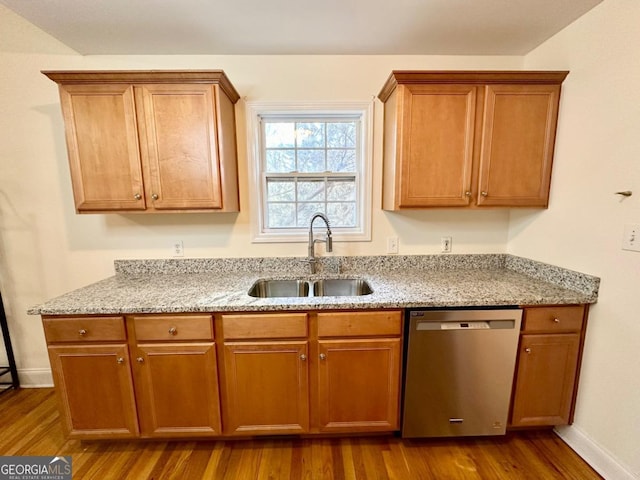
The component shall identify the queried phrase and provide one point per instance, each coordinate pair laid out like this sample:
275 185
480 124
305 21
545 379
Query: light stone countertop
221 285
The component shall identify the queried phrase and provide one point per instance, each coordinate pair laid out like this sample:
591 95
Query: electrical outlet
631 238
178 248
445 244
392 244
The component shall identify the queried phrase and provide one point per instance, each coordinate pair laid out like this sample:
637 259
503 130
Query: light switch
631 239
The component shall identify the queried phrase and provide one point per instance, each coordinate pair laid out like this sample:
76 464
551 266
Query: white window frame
255 111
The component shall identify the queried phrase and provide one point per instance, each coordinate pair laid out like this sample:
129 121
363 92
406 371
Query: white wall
597 154
46 249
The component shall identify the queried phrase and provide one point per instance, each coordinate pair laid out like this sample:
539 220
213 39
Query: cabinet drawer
84 329
276 325
356 324
553 319
173 327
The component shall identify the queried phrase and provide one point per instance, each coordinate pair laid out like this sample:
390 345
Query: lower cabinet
342 374
358 385
359 371
92 373
176 375
548 365
267 387
168 376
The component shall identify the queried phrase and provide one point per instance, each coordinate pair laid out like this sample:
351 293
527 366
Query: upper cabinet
150 141
469 139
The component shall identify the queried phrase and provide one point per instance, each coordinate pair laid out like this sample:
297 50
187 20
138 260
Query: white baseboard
35 377
599 459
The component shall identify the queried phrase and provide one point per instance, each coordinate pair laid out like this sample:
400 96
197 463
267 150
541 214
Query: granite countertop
215 285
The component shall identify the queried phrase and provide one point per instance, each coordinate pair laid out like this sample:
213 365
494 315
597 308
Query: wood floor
29 425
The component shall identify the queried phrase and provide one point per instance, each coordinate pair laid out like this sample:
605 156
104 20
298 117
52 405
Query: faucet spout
311 247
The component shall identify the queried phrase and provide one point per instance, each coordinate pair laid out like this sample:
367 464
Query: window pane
281 161
311 161
341 190
341 160
280 190
310 135
342 214
311 190
306 211
281 134
341 134
281 215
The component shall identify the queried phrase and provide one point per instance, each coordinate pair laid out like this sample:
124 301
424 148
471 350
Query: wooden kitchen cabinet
342 374
547 367
176 375
358 374
469 139
151 141
266 386
91 371
359 384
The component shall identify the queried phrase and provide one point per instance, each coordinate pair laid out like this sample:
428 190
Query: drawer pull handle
140 360
528 350
323 356
173 331
556 320
82 331
120 360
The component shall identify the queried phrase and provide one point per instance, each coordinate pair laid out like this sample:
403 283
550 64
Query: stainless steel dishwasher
459 371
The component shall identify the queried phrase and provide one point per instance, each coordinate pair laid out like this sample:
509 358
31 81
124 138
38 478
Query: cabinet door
177 387
436 145
517 144
545 379
267 387
178 138
102 143
359 385
95 390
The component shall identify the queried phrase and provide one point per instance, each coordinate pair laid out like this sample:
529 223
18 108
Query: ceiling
237 27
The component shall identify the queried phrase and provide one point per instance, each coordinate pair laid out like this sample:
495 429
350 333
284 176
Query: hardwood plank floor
29 425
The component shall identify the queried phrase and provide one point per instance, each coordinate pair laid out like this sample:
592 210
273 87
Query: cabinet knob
323 356
140 360
556 320
154 196
467 193
173 330
82 331
137 196
303 357
120 360
484 194
528 350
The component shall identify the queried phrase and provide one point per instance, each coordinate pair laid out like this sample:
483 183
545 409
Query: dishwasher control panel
463 325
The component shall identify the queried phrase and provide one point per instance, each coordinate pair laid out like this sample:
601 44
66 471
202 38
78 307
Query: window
308 159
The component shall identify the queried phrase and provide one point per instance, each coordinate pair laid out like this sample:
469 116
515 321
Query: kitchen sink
339 287
326 287
279 288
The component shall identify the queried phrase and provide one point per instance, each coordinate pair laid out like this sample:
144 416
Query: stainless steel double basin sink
325 287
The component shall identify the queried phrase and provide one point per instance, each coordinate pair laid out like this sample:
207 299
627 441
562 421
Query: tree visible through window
311 165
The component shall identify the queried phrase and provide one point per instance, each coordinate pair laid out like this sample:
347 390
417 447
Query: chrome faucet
328 240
